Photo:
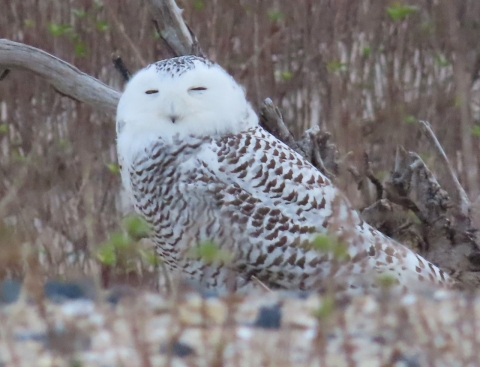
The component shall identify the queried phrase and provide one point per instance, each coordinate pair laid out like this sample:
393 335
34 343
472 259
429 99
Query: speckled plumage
179 65
239 187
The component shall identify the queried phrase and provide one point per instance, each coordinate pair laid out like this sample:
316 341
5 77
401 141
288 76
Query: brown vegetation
366 72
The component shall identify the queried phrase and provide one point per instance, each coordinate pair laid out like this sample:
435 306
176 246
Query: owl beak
171 110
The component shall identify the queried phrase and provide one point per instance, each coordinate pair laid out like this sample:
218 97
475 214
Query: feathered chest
251 160
156 167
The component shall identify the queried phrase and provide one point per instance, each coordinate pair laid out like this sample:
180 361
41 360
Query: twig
64 77
459 195
356 176
168 20
121 28
318 159
4 74
315 147
271 118
260 283
369 174
120 66
413 186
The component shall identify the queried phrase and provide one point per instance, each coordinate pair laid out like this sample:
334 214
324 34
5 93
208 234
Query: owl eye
197 89
151 91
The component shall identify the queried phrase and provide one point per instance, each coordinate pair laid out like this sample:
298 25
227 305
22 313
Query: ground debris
439 329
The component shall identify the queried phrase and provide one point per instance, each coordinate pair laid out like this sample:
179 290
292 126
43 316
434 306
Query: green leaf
73 36
102 25
441 60
366 51
113 168
80 49
286 75
18 156
106 254
28 23
322 243
382 175
410 119
198 4
428 27
63 143
79 13
340 252
328 244
336 66
413 217
326 309
387 281
75 363
119 240
136 227
4 128
210 253
399 11
275 15
59 29
476 130
150 256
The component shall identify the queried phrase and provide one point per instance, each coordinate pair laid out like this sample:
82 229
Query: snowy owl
199 169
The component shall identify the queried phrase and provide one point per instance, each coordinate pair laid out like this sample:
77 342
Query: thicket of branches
367 72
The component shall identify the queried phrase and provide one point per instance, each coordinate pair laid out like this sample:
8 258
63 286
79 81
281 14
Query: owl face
185 95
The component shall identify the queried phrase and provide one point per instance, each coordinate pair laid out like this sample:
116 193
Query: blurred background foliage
364 70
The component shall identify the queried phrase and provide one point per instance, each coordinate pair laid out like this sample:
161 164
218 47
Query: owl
200 169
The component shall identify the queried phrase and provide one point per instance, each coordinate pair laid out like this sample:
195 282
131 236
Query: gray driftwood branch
65 78
168 20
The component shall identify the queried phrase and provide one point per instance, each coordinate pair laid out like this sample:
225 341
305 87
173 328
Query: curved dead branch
65 78
458 194
168 20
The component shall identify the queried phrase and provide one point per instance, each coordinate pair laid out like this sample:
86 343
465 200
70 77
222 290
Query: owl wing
280 202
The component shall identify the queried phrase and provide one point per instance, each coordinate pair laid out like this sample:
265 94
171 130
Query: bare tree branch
66 78
4 73
319 151
369 174
459 195
120 66
173 30
272 120
413 187
319 161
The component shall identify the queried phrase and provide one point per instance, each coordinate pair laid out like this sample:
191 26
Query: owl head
183 95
